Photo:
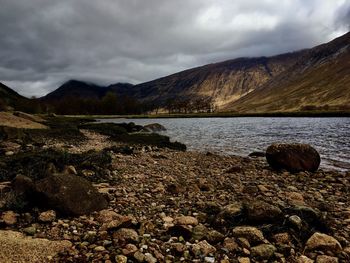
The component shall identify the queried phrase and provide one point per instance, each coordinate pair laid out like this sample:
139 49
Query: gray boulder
293 157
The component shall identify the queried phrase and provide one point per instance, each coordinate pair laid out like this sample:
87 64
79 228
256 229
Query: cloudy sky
44 43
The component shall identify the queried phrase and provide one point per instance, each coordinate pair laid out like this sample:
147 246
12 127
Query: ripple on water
241 136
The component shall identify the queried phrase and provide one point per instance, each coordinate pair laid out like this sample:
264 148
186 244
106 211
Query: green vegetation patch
131 133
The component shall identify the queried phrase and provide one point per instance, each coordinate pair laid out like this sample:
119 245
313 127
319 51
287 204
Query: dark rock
180 230
262 212
264 251
230 215
69 194
154 127
22 185
293 157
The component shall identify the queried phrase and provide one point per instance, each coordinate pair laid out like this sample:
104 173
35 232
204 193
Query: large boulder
293 157
69 194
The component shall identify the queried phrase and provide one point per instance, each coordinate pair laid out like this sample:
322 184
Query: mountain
310 79
76 89
223 82
81 89
319 80
8 95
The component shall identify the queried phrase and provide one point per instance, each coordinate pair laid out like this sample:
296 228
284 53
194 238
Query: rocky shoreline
166 205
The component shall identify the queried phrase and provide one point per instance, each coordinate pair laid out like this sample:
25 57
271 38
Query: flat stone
243 260
129 249
252 234
186 220
99 249
30 230
304 259
326 259
106 216
319 241
9 217
150 258
47 216
203 248
264 251
260 212
125 235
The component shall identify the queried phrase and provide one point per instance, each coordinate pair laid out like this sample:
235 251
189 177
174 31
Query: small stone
215 237
106 216
124 235
70 169
99 249
129 249
230 213
326 259
30 230
230 244
209 259
140 257
150 258
121 259
168 219
121 222
9 153
295 198
47 216
304 259
186 220
178 248
263 188
319 241
282 238
199 232
295 221
243 242
203 248
264 251
253 234
243 260
9 217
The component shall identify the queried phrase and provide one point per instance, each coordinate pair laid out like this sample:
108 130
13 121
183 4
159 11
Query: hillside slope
224 82
8 95
319 80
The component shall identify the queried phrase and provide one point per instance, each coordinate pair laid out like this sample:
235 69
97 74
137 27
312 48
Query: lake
243 135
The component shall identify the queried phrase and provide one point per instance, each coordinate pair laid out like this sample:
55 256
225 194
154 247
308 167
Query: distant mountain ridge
316 78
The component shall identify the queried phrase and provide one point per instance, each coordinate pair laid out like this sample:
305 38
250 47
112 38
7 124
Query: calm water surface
241 136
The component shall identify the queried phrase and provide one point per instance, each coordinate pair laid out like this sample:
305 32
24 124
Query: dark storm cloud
44 43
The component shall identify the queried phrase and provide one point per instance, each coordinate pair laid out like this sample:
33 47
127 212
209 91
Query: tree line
201 104
110 104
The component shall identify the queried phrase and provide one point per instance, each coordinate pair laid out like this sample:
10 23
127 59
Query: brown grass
9 120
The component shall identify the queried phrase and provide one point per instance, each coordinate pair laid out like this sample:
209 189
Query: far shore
316 114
